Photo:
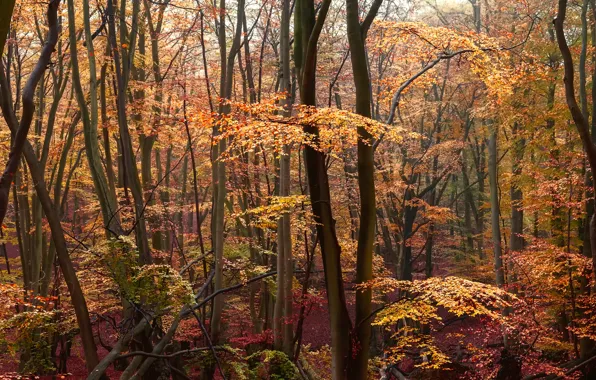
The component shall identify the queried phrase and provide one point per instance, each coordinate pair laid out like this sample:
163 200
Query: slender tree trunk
470 207
516 240
405 272
219 170
90 119
358 367
494 208
481 199
578 118
106 134
122 70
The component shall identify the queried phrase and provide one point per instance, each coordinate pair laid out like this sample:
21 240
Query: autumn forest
298 189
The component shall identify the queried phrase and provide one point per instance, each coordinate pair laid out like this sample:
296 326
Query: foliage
272 365
31 330
420 304
156 287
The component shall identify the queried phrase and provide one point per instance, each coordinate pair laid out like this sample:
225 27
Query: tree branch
20 137
172 355
370 16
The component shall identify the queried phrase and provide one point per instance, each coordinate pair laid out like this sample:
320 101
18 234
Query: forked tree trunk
307 30
358 367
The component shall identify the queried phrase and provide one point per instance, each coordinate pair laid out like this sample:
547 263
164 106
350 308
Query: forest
298 189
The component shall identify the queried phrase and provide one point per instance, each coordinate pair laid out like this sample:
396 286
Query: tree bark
516 241
89 117
578 118
6 9
284 335
19 131
358 367
307 29
494 208
122 70
219 171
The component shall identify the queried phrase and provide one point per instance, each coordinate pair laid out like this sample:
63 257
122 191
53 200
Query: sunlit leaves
420 43
420 303
266 216
114 274
262 124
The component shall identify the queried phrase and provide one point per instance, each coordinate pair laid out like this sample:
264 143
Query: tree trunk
494 208
89 116
358 367
6 9
307 30
219 166
122 70
517 214
578 118
283 307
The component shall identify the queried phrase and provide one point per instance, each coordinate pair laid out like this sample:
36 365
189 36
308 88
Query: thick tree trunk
307 30
6 9
283 308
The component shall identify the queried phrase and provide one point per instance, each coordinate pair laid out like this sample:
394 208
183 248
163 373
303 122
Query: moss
273 365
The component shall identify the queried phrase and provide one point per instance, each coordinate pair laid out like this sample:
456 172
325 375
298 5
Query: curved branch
578 118
443 56
100 369
229 289
174 354
20 137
